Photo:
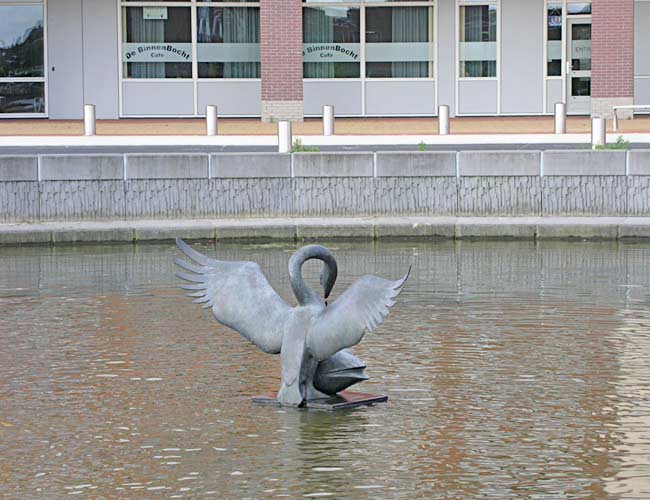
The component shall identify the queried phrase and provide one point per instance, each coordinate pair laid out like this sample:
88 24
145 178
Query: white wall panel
400 98
100 57
144 98
522 56
65 59
231 97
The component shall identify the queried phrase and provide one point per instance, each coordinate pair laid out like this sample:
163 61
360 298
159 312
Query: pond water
514 370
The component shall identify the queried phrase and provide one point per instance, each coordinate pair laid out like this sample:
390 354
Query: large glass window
22 59
228 42
331 37
399 42
157 42
554 39
478 41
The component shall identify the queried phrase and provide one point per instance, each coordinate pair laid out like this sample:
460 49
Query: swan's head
328 276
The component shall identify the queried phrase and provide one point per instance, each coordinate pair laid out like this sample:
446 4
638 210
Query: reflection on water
514 370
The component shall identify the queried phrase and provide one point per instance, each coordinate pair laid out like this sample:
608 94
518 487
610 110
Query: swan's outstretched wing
240 297
361 307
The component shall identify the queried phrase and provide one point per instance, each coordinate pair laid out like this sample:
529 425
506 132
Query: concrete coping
250 165
82 167
499 163
334 164
18 168
638 162
587 162
416 164
166 166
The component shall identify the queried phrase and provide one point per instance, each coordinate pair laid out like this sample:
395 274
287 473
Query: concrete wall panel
333 164
19 201
345 196
499 195
638 162
231 98
250 165
401 98
18 168
499 163
587 163
416 164
638 196
81 200
522 56
167 166
584 195
416 195
82 167
168 198
253 197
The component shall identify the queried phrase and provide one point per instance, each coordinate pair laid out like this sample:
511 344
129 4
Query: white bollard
211 119
284 137
560 118
328 120
443 119
598 132
90 127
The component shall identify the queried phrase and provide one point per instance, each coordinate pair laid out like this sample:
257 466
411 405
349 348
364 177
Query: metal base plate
343 400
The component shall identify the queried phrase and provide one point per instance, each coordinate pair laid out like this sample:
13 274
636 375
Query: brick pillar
612 78
281 40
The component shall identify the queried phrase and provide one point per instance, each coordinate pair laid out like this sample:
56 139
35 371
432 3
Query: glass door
579 67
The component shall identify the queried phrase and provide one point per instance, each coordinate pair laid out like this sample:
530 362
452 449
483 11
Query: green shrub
619 144
298 147
422 146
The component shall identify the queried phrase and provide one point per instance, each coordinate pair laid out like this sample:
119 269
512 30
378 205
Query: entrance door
579 67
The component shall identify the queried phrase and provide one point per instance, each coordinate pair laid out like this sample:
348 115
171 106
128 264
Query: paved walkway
608 228
312 126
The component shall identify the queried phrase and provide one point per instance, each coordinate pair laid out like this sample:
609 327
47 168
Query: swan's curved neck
303 293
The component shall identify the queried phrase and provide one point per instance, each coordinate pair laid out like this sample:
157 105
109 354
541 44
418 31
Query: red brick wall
281 40
612 48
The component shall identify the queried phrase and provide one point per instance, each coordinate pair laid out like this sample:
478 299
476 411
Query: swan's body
312 337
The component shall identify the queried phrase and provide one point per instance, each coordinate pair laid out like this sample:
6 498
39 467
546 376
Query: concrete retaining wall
183 186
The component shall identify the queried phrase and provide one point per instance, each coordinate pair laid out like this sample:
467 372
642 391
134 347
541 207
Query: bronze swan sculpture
312 337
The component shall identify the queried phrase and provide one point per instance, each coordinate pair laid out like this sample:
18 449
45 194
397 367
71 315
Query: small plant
299 147
619 144
422 146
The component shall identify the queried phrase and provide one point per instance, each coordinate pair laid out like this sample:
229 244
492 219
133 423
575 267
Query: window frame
477 3
363 5
31 79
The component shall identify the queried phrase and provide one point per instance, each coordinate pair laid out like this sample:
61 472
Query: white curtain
410 24
231 25
318 28
145 30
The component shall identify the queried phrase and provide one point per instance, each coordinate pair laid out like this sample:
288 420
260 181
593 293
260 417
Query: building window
554 39
331 37
157 42
22 59
478 41
399 42
578 8
228 42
